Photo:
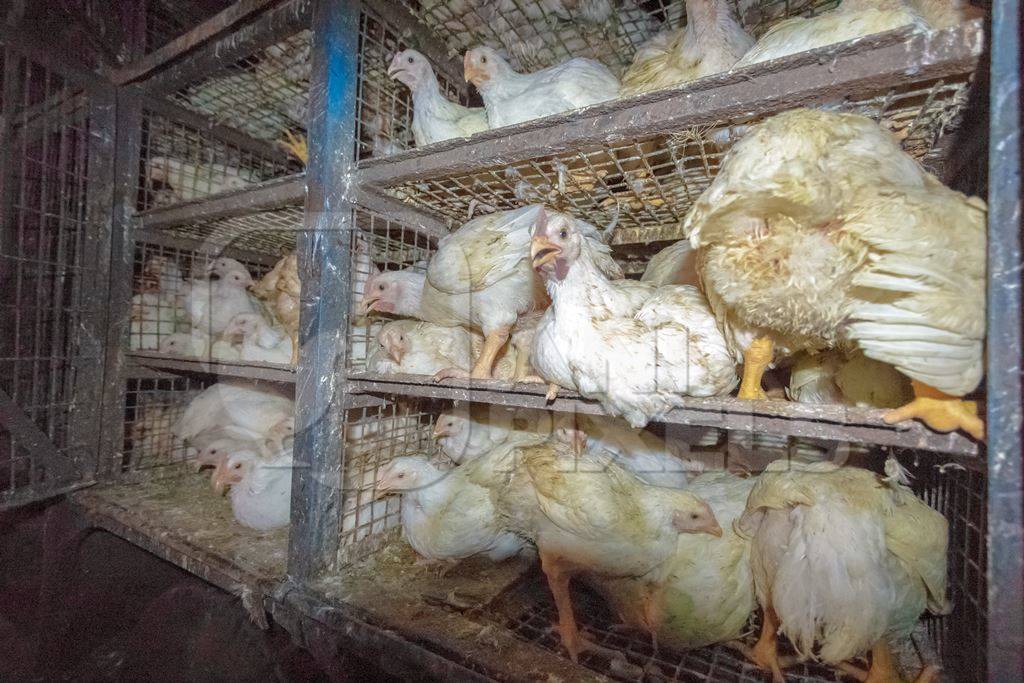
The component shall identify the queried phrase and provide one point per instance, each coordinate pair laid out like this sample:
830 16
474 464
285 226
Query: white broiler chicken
211 304
820 232
418 348
637 450
676 264
184 181
854 380
257 340
246 411
591 517
445 516
844 561
511 97
469 432
153 319
434 118
852 19
194 344
711 42
637 355
260 487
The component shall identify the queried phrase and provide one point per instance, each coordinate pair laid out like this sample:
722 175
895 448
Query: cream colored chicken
711 42
590 517
676 264
855 380
281 288
820 232
637 348
844 561
466 433
852 19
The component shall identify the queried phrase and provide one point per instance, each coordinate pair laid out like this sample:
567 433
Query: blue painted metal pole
1006 502
324 265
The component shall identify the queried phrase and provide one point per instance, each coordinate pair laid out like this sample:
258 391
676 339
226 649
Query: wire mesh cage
152 407
168 19
374 436
535 34
384 122
164 290
51 230
182 162
648 184
379 245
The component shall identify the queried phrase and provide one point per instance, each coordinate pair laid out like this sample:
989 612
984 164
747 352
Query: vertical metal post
124 197
324 269
1005 494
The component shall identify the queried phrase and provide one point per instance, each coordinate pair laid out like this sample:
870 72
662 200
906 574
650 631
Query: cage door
56 162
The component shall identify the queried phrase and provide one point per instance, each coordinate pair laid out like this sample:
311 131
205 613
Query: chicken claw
765 653
450 373
756 359
552 392
939 411
297 145
882 669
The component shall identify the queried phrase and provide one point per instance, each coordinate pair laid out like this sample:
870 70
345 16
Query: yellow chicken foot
558 581
297 145
941 412
450 373
756 359
883 669
295 349
493 343
552 392
765 652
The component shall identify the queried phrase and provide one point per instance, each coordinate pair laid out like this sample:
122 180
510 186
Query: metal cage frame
351 192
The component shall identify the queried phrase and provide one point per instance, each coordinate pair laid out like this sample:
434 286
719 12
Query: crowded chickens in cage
220 314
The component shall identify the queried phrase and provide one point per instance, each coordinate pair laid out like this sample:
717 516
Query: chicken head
223 266
212 454
381 293
483 64
392 340
409 67
405 474
555 245
242 326
231 471
700 520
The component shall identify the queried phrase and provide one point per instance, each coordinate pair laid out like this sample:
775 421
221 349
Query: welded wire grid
180 163
374 436
384 121
650 184
152 407
535 34
630 655
47 266
379 245
263 95
959 493
160 292
168 19
273 232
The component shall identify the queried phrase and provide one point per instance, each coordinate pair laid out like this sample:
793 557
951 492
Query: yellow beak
543 251
438 431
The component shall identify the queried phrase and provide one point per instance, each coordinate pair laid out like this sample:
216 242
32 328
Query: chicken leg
765 653
493 343
294 334
883 669
558 575
756 359
297 145
941 412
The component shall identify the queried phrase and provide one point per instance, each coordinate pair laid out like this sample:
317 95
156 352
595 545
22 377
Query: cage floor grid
631 656
181 519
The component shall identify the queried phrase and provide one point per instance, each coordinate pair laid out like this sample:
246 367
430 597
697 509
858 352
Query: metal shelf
647 158
257 371
833 422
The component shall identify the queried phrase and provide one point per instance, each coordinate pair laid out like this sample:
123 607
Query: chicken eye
483 60
564 233
410 60
401 475
381 287
237 466
213 451
694 515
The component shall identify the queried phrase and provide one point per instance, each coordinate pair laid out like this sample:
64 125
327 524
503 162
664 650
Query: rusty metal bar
269 195
835 422
265 371
180 46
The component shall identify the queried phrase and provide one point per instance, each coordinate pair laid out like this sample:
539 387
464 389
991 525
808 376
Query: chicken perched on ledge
843 561
434 118
467 433
511 97
711 42
418 348
820 232
638 349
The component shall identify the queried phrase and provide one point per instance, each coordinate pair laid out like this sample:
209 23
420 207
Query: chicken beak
439 431
472 73
543 251
395 352
366 305
715 530
219 485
